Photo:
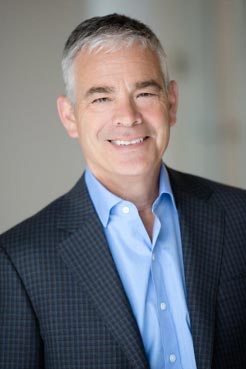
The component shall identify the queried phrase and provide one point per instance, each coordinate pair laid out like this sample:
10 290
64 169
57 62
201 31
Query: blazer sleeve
20 342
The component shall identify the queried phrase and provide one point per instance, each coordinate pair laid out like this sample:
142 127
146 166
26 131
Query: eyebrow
149 83
108 89
99 90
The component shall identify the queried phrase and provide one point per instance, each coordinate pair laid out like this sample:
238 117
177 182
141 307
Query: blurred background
206 45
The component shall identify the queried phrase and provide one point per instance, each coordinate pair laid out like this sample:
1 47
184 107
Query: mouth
128 142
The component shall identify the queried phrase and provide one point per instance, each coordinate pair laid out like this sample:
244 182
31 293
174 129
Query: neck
140 190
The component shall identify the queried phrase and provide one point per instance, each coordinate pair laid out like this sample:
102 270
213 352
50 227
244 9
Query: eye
100 100
146 94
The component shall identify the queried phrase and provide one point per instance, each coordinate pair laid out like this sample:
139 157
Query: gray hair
112 32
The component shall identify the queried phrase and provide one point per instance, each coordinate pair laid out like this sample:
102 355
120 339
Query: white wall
205 41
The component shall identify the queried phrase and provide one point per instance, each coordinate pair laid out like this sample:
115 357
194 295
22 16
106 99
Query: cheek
157 109
94 127
158 119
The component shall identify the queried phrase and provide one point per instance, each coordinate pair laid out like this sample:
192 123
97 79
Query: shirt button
153 257
125 210
172 358
163 306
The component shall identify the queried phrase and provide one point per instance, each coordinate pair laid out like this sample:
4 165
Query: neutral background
206 44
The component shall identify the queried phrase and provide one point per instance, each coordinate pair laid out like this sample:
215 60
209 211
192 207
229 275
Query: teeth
126 143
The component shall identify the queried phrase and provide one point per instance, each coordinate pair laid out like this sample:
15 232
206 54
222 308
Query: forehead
132 63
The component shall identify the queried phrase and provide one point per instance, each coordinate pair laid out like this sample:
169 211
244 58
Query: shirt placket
169 340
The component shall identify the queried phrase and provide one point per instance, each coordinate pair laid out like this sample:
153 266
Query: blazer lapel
86 252
202 228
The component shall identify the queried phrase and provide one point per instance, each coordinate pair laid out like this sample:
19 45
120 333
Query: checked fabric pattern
62 304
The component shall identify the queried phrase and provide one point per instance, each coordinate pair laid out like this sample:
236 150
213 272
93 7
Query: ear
67 116
173 102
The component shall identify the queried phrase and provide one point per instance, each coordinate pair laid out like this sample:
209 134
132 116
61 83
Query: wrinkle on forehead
136 53
100 72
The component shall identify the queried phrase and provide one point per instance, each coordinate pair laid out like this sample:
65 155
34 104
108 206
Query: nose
127 114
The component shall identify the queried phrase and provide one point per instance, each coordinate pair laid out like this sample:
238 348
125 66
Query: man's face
122 114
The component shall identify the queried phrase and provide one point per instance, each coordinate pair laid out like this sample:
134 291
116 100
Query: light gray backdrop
206 45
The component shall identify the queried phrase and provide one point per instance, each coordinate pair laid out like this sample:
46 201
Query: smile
127 143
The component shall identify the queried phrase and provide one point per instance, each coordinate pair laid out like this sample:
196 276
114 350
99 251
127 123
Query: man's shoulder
41 222
213 191
42 228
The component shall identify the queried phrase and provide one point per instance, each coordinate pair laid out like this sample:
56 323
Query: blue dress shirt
151 272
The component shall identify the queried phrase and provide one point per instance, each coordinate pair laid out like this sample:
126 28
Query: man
138 266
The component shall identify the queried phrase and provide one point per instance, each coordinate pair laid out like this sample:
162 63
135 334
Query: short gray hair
111 32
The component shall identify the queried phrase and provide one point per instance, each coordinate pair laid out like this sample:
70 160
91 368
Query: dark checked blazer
62 304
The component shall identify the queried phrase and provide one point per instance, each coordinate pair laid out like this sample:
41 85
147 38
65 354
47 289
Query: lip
129 142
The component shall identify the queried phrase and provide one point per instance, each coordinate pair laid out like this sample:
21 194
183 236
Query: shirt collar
165 186
104 200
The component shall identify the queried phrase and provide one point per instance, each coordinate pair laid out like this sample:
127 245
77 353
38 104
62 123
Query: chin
134 169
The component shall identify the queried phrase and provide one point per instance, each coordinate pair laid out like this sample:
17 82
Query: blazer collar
86 253
202 229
